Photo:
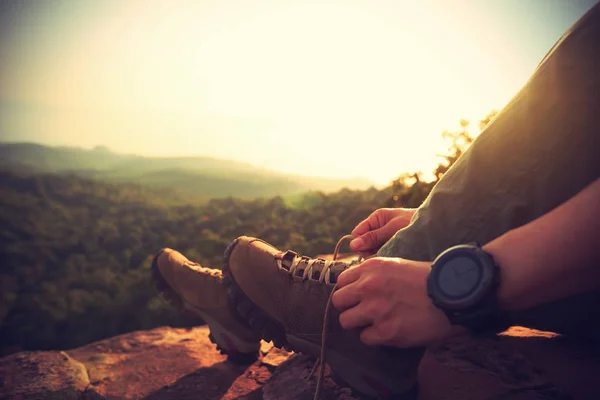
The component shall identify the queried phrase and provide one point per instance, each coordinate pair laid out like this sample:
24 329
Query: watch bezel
487 270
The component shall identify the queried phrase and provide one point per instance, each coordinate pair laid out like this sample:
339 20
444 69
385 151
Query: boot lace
305 268
321 361
325 274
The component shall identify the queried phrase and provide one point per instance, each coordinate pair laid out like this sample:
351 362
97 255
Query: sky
326 88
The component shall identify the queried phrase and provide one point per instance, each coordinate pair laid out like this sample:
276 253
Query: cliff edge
169 363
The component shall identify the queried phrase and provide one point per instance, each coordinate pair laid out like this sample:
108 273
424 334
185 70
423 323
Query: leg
537 153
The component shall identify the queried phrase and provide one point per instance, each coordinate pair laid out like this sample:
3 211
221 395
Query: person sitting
508 236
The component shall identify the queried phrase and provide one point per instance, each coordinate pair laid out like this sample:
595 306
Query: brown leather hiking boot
285 296
200 291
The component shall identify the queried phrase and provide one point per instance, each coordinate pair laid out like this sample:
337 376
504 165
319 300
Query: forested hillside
75 253
202 177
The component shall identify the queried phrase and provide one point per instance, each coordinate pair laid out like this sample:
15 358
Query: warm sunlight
206 196
332 88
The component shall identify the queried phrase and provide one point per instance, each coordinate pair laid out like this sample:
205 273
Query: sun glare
332 88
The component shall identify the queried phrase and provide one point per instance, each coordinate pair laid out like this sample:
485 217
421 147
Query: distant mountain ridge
198 175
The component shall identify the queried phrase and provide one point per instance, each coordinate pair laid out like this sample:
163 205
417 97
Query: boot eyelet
332 278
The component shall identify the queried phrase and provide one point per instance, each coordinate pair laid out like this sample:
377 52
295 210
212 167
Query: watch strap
484 318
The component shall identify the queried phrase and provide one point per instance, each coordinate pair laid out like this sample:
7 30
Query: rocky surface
168 363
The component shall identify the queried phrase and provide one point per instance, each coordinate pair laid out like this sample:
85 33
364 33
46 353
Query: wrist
521 261
463 283
512 280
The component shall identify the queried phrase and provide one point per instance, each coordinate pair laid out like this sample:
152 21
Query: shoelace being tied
325 273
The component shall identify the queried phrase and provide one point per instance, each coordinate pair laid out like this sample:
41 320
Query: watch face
459 277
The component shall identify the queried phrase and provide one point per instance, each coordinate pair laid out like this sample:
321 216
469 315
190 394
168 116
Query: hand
379 227
388 298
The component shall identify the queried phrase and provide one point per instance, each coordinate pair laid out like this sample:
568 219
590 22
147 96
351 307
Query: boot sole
344 370
226 342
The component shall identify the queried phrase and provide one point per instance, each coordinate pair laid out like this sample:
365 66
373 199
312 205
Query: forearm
552 257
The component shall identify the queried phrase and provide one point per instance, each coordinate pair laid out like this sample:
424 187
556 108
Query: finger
346 297
363 227
371 336
348 276
356 317
373 221
373 239
378 334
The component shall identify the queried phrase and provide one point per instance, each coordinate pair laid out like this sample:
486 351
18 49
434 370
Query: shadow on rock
205 383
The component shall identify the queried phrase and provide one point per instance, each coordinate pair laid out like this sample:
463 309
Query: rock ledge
167 363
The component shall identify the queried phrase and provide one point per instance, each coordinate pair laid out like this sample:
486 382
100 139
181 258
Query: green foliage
75 253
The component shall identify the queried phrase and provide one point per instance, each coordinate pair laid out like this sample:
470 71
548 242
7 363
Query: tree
460 142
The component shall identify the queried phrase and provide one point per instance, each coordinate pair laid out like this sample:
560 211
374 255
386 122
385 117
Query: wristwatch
463 283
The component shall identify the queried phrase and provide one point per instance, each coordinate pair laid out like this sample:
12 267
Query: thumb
374 239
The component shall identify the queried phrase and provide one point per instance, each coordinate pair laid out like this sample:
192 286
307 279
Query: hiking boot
284 296
200 292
